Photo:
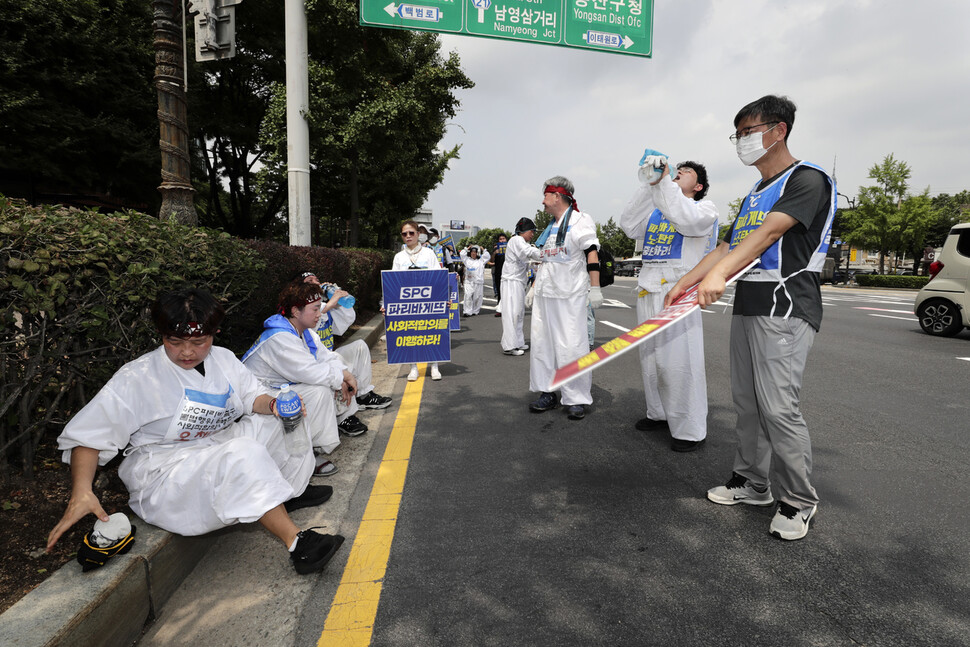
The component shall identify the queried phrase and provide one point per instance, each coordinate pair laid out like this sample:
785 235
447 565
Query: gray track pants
767 363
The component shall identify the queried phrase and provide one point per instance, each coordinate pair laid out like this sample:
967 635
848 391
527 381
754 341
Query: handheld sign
454 319
612 349
416 316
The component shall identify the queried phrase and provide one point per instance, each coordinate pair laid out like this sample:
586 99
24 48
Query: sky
869 78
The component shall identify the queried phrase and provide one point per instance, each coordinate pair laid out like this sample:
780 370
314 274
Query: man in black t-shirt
785 223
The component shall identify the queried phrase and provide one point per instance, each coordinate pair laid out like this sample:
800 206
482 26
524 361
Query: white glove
107 533
595 296
530 295
652 169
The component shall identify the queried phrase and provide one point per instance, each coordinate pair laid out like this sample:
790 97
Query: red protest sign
612 349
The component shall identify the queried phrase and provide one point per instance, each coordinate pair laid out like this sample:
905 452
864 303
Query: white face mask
750 149
422 238
434 239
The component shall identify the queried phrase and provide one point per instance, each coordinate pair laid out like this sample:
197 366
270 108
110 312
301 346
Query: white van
942 305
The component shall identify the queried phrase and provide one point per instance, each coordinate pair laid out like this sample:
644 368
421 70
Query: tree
615 240
485 238
917 216
877 223
378 107
77 108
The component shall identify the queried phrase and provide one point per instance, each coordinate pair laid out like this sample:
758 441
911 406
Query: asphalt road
530 529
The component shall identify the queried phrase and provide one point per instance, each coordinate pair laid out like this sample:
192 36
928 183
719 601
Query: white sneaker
514 351
739 490
523 348
435 373
413 375
790 523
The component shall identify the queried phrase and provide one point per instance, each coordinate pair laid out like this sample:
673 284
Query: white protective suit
356 355
515 277
315 373
674 382
424 258
474 281
190 466
559 309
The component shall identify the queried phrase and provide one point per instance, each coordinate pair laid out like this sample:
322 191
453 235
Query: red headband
566 194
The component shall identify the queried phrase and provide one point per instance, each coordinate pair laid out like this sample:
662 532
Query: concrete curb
110 606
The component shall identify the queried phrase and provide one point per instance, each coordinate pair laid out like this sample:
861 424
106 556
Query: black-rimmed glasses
744 132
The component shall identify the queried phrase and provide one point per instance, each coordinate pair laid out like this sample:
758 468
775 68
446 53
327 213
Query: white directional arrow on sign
606 39
415 12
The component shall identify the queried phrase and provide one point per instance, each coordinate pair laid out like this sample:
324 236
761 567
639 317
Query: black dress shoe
649 424
313 495
679 445
576 412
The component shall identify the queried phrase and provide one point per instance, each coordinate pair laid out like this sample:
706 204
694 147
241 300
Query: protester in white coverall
515 275
203 447
474 279
677 227
335 319
414 256
289 352
568 277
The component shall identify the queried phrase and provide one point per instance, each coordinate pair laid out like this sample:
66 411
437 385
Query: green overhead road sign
614 26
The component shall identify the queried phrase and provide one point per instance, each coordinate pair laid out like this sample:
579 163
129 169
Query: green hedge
891 281
75 291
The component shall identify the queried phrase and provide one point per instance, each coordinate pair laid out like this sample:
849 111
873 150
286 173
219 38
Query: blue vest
662 243
325 332
756 206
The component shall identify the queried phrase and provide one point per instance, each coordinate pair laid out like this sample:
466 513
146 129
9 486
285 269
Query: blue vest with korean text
756 206
662 243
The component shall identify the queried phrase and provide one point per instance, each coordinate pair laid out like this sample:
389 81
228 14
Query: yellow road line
350 622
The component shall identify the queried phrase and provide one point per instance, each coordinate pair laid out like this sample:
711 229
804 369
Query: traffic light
215 28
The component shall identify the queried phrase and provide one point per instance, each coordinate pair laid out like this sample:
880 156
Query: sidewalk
240 575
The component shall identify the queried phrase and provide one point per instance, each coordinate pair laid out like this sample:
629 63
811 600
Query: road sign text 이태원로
614 26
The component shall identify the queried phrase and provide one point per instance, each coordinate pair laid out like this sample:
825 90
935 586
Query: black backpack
607 265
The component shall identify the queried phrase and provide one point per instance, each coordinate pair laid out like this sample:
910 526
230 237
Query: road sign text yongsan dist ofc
616 26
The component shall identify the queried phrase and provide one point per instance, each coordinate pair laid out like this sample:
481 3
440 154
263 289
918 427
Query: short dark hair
189 312
769 108
298 296
701 171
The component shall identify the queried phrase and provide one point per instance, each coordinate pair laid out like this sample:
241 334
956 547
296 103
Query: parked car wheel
939 317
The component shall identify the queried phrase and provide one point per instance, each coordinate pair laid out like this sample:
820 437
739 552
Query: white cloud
869 78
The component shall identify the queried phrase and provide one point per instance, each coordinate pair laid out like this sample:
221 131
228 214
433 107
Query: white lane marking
902 312
892 317
613 325
615 304
965 359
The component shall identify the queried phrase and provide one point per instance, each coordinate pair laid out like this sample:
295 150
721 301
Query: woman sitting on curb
289 352
203 446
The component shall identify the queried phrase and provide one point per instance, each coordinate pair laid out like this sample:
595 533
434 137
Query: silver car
942 305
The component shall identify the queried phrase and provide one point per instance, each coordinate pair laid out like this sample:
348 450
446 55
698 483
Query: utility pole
173 141
297 130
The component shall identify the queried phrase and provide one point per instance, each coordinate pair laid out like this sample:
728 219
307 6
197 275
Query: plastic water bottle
290 409
345 302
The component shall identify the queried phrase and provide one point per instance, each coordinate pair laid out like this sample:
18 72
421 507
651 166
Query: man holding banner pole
568 277
677 227
785 223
